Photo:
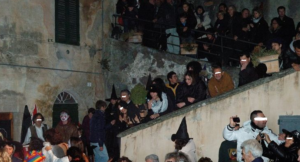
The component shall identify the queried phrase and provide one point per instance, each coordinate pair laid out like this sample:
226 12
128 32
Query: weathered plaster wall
206 120
130 65
27 30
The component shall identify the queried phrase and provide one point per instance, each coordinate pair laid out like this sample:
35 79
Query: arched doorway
64 101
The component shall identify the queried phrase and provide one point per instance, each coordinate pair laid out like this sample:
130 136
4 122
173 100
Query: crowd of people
166 24
253 142
96 138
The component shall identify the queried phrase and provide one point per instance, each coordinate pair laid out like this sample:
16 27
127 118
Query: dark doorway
65 101
6 125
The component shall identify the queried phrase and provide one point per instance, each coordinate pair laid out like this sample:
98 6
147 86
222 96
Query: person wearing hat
183 143
157 102
111 113
37 129
285 152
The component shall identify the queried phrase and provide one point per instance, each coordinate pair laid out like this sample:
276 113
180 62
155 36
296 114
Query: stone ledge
207 102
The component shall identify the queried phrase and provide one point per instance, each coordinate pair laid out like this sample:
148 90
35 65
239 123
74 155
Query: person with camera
286 151
250 130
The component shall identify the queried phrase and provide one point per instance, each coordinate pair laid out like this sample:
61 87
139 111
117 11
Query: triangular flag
26 123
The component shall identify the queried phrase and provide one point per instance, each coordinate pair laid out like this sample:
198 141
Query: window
67 21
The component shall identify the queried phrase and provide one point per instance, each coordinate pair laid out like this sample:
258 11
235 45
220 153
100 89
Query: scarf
256 20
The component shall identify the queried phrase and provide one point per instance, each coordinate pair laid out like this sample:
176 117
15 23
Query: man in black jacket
288 24
247 73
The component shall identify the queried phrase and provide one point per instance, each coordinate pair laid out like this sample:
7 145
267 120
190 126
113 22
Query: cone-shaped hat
182 132
149 82
113 94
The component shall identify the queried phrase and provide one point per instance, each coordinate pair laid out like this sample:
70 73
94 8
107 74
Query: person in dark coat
191 18
221 25
147 13
243 32
258 27
86 131
192 90
184 29
287 24
121 6
244 23
233 21
129 19
284 60
247 73
276 30
285 152
112 113
97 129
210 46
296 60
130 113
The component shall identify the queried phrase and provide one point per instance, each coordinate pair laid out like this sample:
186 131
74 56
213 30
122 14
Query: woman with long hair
191 91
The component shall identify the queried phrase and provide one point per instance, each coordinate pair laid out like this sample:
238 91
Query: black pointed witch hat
26 123
113 94
149 82
182 132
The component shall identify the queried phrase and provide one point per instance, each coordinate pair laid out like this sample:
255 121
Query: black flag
149 82
26 123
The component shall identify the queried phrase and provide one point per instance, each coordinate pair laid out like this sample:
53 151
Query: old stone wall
131 64
31 63
206 120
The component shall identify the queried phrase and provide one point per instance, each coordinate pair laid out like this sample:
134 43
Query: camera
236 119
261 135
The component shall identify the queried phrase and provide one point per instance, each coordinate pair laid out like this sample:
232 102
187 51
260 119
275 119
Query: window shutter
67 21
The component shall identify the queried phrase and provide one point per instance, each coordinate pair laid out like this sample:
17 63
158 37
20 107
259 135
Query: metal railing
223 38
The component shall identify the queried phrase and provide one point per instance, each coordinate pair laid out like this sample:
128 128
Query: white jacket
190 150
50 157
244 133
206 21
160 106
